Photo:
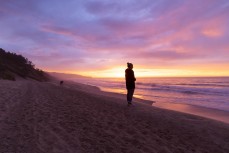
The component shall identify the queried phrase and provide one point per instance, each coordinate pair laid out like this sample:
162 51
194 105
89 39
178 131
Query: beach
46 117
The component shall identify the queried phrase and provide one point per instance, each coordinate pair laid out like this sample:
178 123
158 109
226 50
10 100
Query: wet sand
47 118
210 113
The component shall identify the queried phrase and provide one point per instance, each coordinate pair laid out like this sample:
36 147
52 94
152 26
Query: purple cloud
78 34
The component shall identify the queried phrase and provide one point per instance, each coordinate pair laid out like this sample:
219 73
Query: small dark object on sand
61 82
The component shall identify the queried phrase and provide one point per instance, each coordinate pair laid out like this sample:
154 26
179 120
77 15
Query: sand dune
47 118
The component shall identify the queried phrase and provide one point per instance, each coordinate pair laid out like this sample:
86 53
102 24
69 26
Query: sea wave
187 88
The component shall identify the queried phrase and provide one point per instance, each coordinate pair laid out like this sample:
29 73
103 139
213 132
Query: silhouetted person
61 82
130 82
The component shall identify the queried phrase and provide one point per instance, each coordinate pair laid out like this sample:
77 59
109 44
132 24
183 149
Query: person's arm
132 76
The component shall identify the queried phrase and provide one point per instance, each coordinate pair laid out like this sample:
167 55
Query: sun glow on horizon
141 72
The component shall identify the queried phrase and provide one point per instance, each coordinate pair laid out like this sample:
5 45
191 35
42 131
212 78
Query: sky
98 37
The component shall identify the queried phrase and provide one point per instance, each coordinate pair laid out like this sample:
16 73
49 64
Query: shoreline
210 113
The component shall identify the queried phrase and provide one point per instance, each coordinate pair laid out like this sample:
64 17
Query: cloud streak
84 33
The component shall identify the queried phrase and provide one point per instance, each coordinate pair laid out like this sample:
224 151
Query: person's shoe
129 103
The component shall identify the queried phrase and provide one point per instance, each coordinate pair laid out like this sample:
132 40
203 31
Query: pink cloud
215 27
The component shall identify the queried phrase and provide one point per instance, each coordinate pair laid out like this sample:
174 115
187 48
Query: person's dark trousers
130 93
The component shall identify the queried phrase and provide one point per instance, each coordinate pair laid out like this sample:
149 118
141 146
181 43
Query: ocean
210 92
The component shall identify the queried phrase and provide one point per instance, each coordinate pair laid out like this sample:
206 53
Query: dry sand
47 118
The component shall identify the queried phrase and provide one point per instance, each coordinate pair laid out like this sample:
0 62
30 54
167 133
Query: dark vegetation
12 65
